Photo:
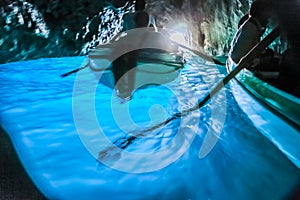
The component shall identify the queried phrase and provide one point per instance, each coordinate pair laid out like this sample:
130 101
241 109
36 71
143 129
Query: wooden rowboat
159 60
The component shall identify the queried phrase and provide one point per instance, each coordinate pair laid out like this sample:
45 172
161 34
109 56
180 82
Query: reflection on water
36 111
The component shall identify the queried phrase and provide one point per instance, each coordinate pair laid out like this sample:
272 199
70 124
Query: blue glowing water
37 111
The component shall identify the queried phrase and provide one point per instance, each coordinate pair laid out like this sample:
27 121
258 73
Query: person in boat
286 15
250 28
139 18
243 19
123 68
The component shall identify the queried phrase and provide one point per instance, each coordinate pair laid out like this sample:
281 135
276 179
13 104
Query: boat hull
274 113
144 74
281 102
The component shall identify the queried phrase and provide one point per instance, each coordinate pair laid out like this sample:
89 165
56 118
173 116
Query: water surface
37 112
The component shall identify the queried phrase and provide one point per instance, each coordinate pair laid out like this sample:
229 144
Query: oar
85 65
199 53
246 60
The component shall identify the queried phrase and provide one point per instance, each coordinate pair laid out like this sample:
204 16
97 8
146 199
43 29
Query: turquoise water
76 142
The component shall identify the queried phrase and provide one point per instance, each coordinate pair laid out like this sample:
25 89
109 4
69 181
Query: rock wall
32 29
211 23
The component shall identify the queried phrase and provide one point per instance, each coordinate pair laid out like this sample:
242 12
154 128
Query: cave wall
43 28
212 23
32 29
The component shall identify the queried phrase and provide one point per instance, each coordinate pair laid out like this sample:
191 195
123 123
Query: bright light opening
178 33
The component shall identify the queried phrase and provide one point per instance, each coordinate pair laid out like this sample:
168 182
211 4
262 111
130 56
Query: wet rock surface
34 29
52 28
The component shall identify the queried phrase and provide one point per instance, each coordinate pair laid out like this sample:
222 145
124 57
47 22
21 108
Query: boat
274 112
281 102
159 60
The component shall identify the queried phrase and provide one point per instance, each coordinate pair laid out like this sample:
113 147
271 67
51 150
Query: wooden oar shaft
199 53
73 71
